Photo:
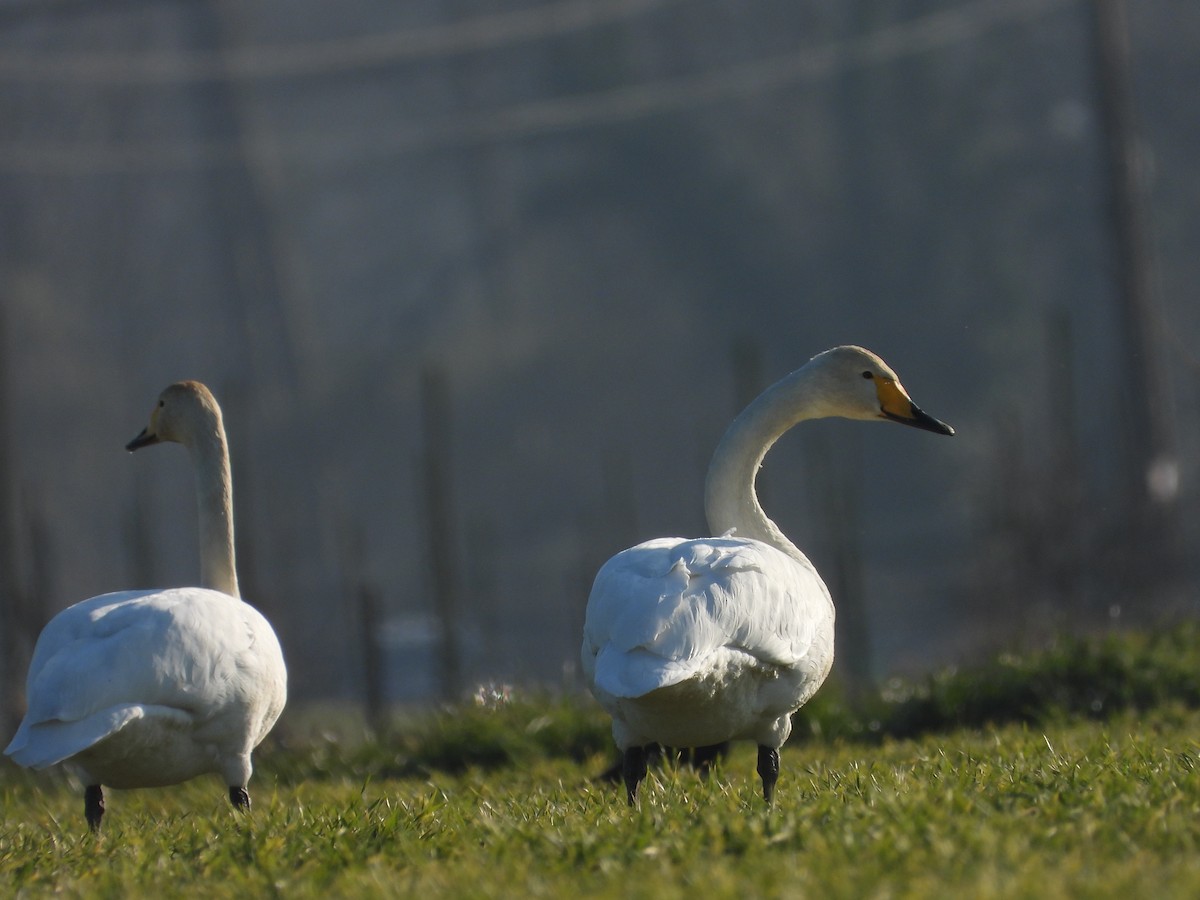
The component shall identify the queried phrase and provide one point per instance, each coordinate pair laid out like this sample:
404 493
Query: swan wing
185 653
666 609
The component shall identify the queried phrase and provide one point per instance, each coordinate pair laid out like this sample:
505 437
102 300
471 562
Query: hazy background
556 245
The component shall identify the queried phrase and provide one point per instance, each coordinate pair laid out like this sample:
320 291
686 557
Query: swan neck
730 501
214 495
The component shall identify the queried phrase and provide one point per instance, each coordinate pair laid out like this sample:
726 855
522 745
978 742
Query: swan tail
637 672
38 745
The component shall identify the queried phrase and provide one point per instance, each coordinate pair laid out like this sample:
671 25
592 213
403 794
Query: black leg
634 769
93 806
768 770
704 757
239 797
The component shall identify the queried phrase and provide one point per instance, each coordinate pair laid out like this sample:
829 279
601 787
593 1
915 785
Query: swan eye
867 375
162 403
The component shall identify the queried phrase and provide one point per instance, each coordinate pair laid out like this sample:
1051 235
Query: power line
937 30
268 61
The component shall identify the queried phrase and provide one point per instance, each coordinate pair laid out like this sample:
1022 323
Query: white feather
192 677
737 619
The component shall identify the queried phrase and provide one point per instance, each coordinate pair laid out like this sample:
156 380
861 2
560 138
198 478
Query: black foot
93 806
634 770
239 797
768 770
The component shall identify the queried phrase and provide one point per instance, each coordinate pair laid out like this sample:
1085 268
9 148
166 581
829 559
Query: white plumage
685 613
177 673
149 688
691 643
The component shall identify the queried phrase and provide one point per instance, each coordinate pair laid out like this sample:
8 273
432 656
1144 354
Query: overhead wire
944 28
328 56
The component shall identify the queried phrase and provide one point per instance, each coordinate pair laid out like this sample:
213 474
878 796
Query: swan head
184 411
857 384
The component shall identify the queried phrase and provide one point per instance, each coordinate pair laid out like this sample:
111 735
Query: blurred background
479 286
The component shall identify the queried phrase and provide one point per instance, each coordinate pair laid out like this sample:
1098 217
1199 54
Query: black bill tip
144 439
921 419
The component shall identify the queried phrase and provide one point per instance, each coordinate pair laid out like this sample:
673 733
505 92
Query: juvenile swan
149 688
690 643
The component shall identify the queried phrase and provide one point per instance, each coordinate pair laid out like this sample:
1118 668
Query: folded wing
664 610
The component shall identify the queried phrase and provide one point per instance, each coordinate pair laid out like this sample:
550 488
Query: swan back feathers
193 652
668 608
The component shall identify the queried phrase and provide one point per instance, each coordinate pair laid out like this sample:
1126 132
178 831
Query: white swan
690 643
149 688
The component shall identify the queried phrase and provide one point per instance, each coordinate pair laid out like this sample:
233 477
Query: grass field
482 802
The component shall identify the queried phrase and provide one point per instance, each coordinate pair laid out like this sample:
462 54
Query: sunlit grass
1078 809
1070 806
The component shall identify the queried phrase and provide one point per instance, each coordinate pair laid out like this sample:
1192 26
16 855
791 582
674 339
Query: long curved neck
730 501
214 495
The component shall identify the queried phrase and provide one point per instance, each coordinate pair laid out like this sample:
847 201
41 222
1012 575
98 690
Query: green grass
1054 802
1095 677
